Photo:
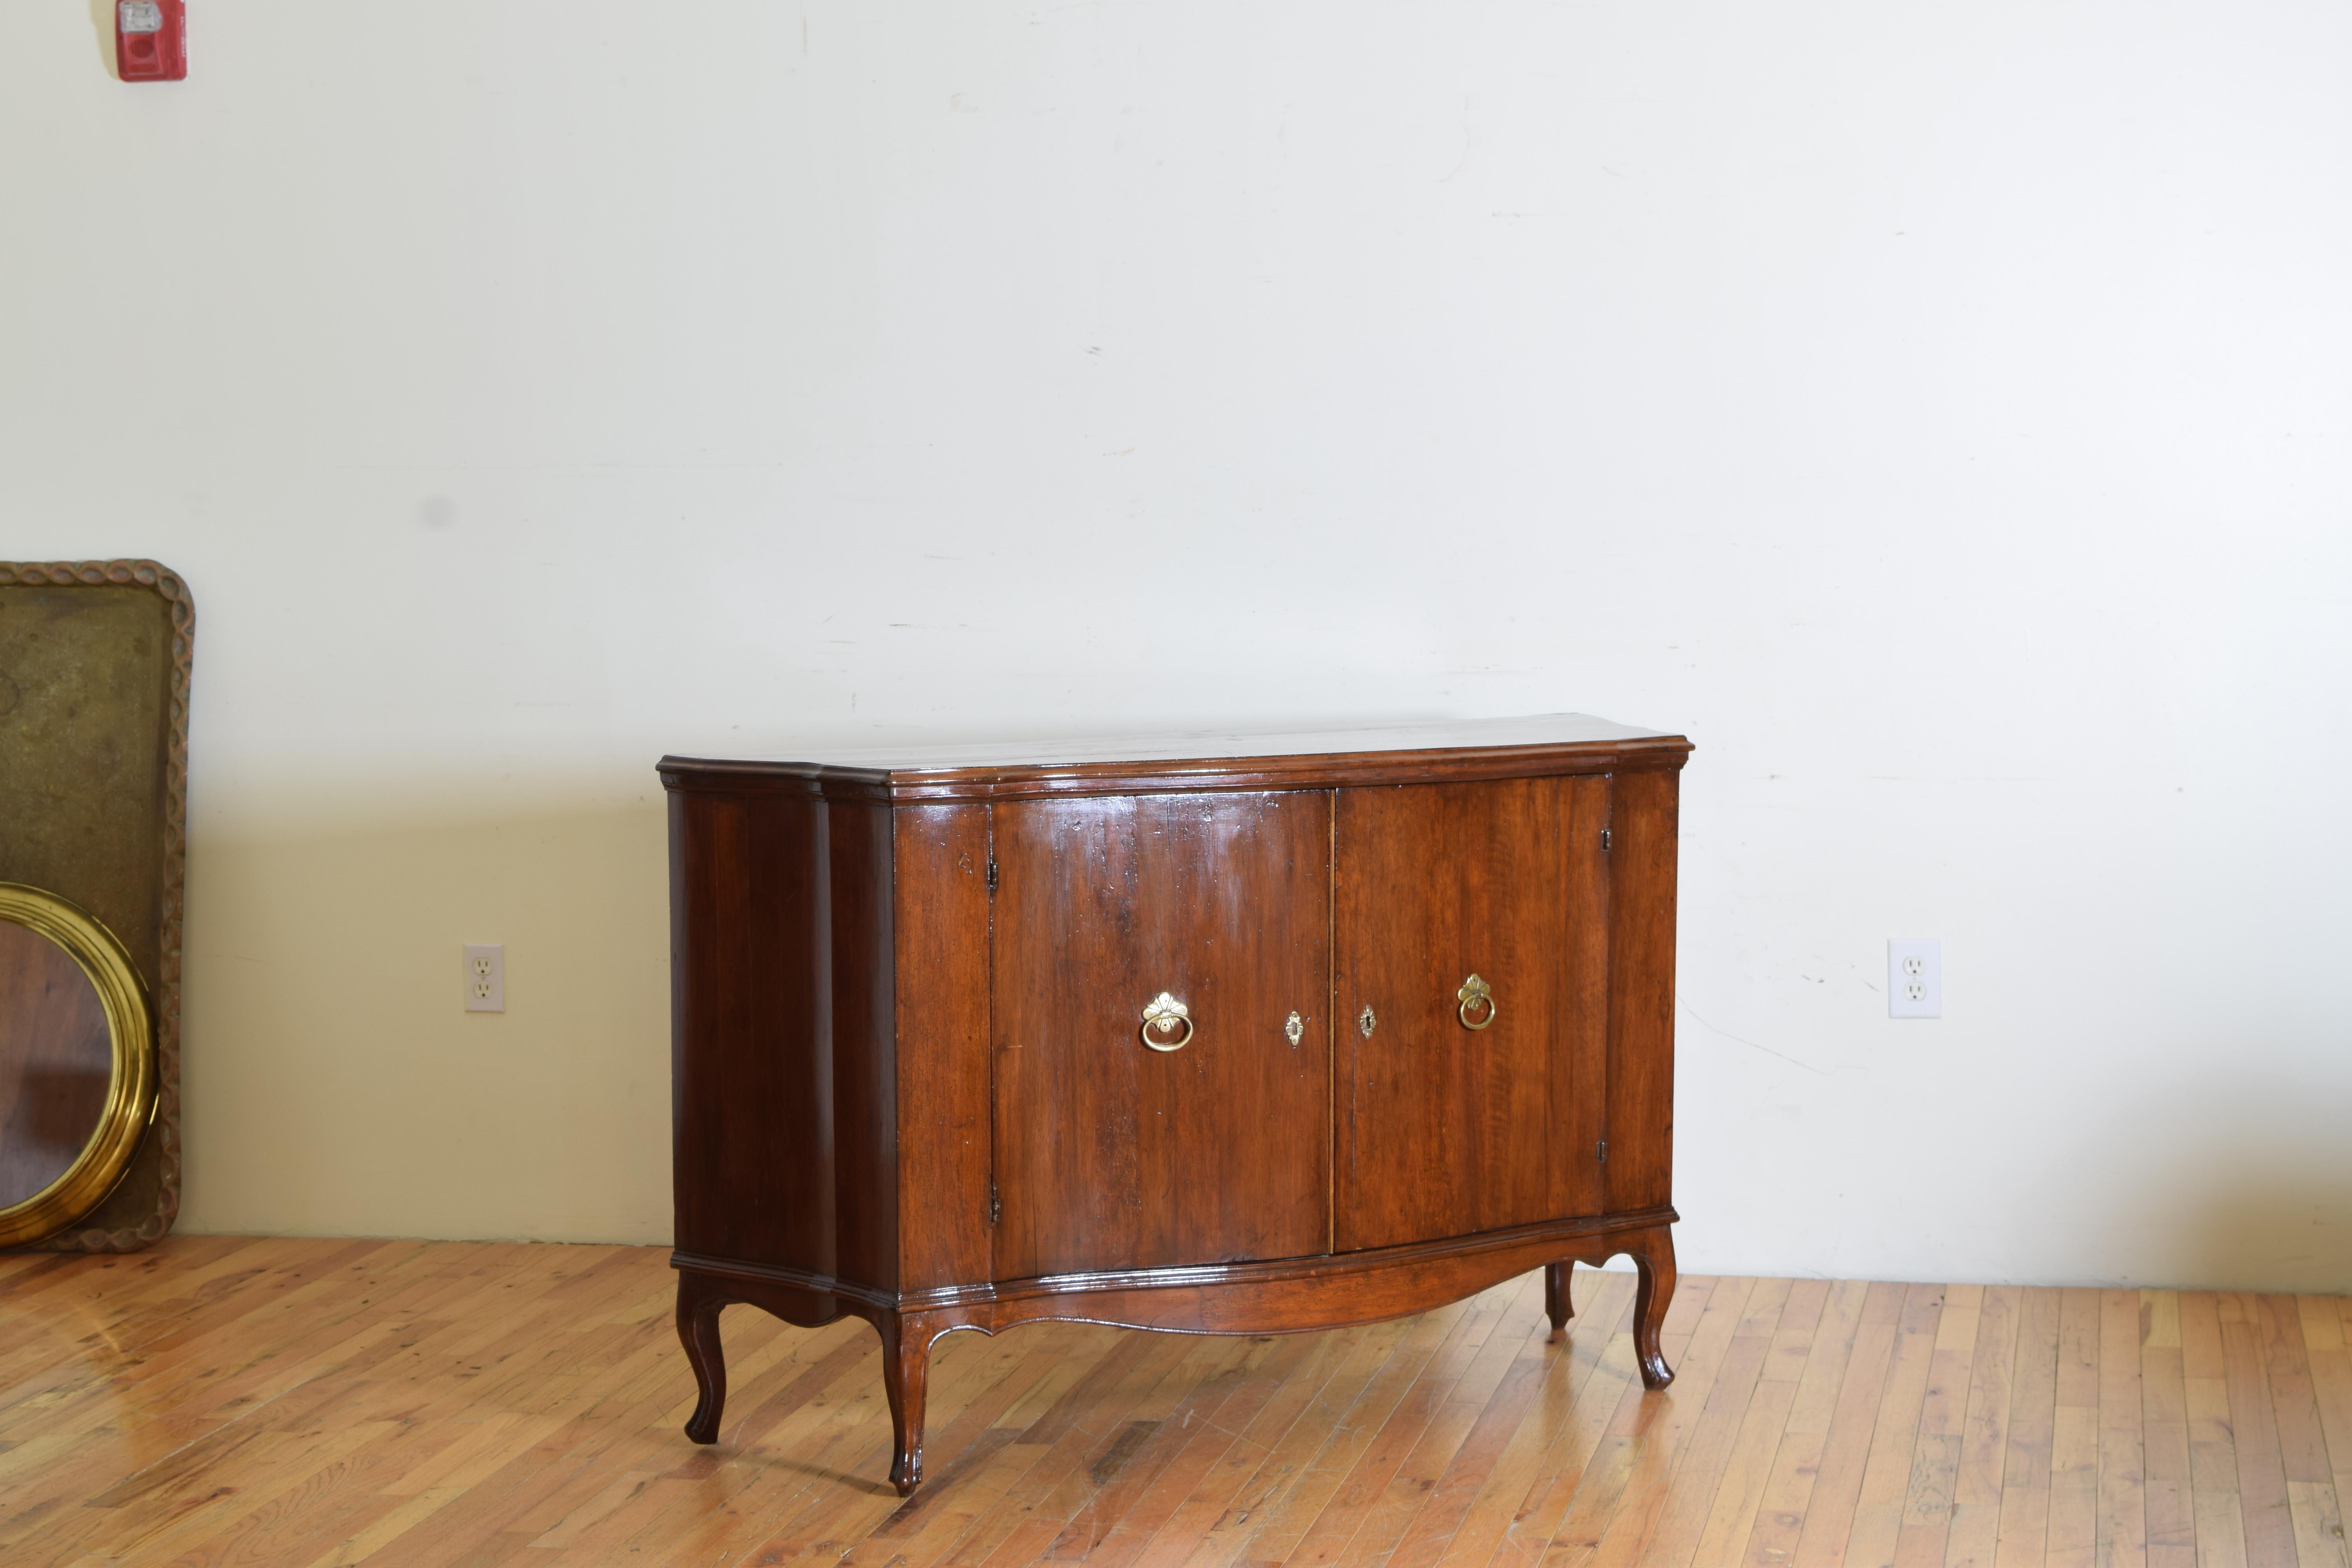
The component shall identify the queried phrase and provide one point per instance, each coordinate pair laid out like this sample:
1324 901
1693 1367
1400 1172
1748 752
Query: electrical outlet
485 977
1915 977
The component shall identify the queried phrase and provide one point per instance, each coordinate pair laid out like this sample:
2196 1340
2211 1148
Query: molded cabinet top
1459 750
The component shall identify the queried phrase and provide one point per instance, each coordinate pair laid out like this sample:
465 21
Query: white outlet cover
1915 977
485 977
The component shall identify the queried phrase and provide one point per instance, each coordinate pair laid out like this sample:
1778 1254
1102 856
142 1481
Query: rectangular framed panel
1642 991
1113 1156
95 660
941 931
1445 1129
784 1133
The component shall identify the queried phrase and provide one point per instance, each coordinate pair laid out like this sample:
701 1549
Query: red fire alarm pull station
151 40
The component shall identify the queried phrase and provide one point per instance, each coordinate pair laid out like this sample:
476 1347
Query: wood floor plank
2123 1491
2318 1524
1926 1518
1454 1491
1845 1448
1739 1489
1508 1519
1196 1447
1277 1442
1592 1511
1284 1521
1471 1507
1477 1361
2072 1539
1608 1514
1425 1501
754 1480
1379 1524
1221 1459
1679 1520
1077 1433
1142 1442
2302 1441
155 1374
2033 1416
1773 1459
328 1404
2254 1426
1973 1538
2171 1508
2331 1387
1876 1528
2212 1446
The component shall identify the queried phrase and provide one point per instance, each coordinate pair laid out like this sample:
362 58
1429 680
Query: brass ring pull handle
1161 1015
1475 993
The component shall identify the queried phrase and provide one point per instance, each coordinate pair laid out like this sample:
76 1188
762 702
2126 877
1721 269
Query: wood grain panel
1579 1030
1640 1172
1444 1130
942 929
752 1056
858 853
1109 1154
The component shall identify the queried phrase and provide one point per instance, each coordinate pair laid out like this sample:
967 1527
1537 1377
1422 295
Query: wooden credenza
1229 1036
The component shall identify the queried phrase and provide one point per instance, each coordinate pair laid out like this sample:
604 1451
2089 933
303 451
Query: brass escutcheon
1294 1027
1365 1022
1162 1014
1474 993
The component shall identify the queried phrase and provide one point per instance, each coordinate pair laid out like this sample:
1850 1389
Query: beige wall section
344 1090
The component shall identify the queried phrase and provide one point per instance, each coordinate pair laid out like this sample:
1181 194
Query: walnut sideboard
1240 1035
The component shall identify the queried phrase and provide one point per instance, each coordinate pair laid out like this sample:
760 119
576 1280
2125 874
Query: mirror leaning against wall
77 1063
95 665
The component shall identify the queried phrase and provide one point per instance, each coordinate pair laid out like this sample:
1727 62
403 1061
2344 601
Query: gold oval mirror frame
130 1100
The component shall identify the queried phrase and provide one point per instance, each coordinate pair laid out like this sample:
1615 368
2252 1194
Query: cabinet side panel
1642 991
1579 1062
751 1053
941 932
864 1054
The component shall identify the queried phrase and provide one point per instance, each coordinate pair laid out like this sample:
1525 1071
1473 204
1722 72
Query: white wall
1939 414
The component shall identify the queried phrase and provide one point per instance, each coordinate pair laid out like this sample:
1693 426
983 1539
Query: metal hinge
992 874
1604 850
1601 1151
995 1207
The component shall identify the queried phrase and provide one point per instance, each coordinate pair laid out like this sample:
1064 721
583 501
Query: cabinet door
1442 1129
1110 1154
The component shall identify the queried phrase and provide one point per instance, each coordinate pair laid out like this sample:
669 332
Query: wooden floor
227 1402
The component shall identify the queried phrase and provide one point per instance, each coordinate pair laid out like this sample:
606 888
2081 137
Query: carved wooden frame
165 984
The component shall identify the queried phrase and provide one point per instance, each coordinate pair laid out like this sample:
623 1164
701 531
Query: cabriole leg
906 1377
697 1331
1653 1255
1557 1306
